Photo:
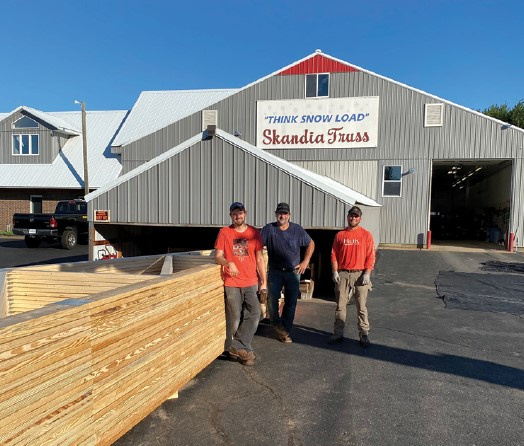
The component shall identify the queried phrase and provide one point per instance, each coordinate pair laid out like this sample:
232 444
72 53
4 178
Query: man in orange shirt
352 260
239 251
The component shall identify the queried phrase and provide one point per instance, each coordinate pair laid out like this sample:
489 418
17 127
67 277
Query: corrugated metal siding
402 140
196 187
517 202
47 144
358 175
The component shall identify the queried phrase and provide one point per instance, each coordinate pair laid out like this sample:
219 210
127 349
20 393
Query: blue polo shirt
283 247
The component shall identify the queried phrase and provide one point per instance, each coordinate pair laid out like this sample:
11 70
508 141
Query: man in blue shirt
283 240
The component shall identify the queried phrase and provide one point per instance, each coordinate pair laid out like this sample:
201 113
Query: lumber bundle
151 265
83 371
28 289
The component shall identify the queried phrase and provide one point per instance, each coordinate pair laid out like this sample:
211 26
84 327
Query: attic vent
434 115
209 117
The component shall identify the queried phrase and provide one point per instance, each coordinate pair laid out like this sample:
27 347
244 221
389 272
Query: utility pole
84 146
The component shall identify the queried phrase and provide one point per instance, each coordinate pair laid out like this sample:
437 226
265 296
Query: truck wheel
69 239
32 242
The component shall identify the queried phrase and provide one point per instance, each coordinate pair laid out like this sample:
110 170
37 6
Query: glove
336 277
366 279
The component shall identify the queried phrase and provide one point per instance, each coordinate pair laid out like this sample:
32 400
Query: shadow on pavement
451 364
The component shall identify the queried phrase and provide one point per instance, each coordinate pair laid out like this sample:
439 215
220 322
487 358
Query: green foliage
6 233
514 116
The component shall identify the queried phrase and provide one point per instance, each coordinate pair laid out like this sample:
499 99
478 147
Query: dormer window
25 144
317 85
25 122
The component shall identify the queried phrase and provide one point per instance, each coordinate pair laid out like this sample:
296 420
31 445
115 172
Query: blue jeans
290 280
242 316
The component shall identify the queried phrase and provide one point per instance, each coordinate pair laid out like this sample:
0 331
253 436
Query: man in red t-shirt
239 251
352 260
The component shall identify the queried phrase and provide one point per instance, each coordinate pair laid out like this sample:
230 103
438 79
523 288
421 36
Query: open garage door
470 200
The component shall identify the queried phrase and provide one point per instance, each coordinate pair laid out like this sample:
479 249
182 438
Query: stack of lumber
84 371
151 265
28 289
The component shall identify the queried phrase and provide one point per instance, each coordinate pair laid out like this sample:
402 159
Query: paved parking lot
432 376
435 373
13 252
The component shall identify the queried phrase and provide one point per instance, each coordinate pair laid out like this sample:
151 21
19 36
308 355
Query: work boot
246 357
335 339
282 334
364 340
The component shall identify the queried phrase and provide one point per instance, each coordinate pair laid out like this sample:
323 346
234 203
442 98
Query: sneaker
283 335
364 340
246 357
335 339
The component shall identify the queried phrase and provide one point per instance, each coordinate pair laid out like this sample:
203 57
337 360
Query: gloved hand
336 277
366 279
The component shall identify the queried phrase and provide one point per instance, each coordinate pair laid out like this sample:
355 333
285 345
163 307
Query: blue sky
106 52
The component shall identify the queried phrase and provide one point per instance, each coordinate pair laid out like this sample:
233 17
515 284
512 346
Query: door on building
470 200
35 204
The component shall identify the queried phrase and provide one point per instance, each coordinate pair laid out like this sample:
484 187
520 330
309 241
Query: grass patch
6 233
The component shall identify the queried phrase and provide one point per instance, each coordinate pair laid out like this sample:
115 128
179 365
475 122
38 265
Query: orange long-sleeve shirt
353 248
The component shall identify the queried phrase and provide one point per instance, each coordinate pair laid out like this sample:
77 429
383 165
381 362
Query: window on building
317 85
25 123
25 145
392 184
434 115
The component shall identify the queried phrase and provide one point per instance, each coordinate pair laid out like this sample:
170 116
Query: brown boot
282 334
246 357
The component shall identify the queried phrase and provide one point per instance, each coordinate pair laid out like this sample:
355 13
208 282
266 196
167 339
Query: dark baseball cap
355 210
282 207
236 205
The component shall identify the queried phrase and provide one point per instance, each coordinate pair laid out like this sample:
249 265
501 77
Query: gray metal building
430 164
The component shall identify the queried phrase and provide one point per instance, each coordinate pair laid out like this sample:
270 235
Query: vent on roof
209 117
434 115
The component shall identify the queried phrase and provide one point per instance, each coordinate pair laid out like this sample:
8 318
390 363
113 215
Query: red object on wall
318 64
428 240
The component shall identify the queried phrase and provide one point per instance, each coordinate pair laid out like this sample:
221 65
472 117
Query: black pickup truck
67 223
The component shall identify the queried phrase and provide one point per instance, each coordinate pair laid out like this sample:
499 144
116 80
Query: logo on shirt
349 241
240 246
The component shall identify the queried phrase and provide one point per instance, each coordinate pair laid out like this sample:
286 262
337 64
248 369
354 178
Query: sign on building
318 123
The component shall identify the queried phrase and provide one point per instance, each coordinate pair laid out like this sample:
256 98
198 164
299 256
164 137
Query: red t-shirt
353 249
240 248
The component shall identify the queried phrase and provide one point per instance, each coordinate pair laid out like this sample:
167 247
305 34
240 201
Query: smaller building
41 157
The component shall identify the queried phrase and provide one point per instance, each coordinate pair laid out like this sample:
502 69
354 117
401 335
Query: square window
392 182
317 85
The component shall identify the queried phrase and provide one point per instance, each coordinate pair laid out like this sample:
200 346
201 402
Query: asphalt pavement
440 371
14 252
434 375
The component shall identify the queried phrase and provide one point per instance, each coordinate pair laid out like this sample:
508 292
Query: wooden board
86 370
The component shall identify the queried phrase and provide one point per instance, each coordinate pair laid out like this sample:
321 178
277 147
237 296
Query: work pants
351 281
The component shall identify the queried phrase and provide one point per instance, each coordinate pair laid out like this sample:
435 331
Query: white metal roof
155 110
50 118
67 170
319 182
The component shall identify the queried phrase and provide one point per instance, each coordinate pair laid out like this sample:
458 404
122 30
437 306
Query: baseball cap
236 205
355 210
282 207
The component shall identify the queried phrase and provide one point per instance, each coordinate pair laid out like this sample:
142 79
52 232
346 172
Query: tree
514 116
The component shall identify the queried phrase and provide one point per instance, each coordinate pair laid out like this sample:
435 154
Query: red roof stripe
317 64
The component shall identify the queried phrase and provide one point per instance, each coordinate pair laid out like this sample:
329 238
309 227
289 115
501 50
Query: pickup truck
67 223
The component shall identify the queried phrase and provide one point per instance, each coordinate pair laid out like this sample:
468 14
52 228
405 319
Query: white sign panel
318 123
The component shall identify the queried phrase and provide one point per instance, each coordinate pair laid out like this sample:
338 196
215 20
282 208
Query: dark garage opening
470 200
135 240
